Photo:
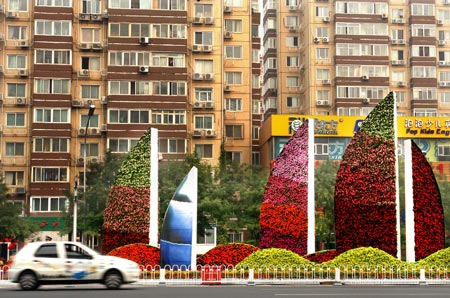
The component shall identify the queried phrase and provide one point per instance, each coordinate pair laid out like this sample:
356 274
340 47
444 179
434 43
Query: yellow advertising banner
346 126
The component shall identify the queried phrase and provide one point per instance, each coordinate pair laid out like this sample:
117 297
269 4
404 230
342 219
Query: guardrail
267 275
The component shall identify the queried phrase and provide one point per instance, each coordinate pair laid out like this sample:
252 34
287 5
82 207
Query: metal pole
75 212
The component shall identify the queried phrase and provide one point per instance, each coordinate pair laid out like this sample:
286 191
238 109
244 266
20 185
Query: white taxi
40 263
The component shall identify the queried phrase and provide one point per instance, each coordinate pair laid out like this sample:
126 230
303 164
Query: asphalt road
135 291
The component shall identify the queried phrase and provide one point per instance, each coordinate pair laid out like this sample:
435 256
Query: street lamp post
75 205
75 211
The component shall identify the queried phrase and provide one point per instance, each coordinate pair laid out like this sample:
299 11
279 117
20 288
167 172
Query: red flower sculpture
145 255
227 254
283 216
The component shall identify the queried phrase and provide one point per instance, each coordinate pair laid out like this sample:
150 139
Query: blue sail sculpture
179 229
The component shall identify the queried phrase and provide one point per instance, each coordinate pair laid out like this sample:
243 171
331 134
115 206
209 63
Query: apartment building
341 57
82 77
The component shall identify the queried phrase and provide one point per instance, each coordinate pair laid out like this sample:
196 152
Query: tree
11 224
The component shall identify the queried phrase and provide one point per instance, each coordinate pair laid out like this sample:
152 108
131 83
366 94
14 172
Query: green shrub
365 256
275 258
441 258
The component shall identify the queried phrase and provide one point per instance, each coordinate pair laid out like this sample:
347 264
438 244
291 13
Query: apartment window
234 131
256 81
322 74
15 119
444 56
167 60
233 104
172 145
14 178
424 93
234 26
322 53
204 150
397 13
17 61
255 30
172 4
271 43
233 52
234 3
51 115
257 107
291 41
270 23
444 97
90 91
53 57
443 15
322 11
270 103
444 35
124 58
255 56
256 158
18 5
349 111
322 32
361 7
293 101
397 55
203 122
16 89
443 150
93 121
90 35
168 31
130 4
91 63
203 94
270 63
121 145
235 237
291 21
203 10
420 9
46 204
423 51
136 30
425 112
321 149
398 76
41 174
444 76
292 81
292 61
51 145
15 149
233 156
17 32
358 92
424 71
323 95
233 78
91 149
89 6
52 86
203 66
398 34
400 96
169 88
53 28
348 71
129 116
423 30
168 116
203 38
375 70
54 3
361 28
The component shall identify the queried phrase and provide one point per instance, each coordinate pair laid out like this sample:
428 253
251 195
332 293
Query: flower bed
227 254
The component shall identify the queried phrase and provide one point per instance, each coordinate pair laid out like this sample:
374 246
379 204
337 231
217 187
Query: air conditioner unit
23 43
326 82
207 48
197 133
292 7
104 100
197 20
365 78
227 88
196 48
209 76
94 160
96 17
209 21
104 127
227 9
144 40
97 46
93 131
366 100
439 22
316 39
398 21
209 105
21 101
446 2
85 46
325 39
402 84
441 42
322 102
210 133
143 69
88 102
84 17
197 76
401 41
20 190
76 103
442 84
384 15
198 105
293 28
12 14
83 73
228 34
23 72
105 14
326 19
80 160
442 63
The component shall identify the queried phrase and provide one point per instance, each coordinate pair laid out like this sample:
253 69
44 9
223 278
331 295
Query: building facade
82 77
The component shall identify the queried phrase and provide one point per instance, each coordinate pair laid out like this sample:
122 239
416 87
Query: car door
47 262
79 263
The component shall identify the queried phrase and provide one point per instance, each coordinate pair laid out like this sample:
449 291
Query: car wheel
28 281
112 280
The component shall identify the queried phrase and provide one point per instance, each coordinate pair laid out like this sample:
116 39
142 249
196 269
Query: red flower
227 254
145 255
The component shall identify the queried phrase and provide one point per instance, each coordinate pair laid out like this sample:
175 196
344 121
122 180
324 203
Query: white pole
75 213
311 246
194 219
409 205
397 187
153 228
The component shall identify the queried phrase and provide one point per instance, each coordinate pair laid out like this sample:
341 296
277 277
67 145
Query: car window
75 252
46 251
